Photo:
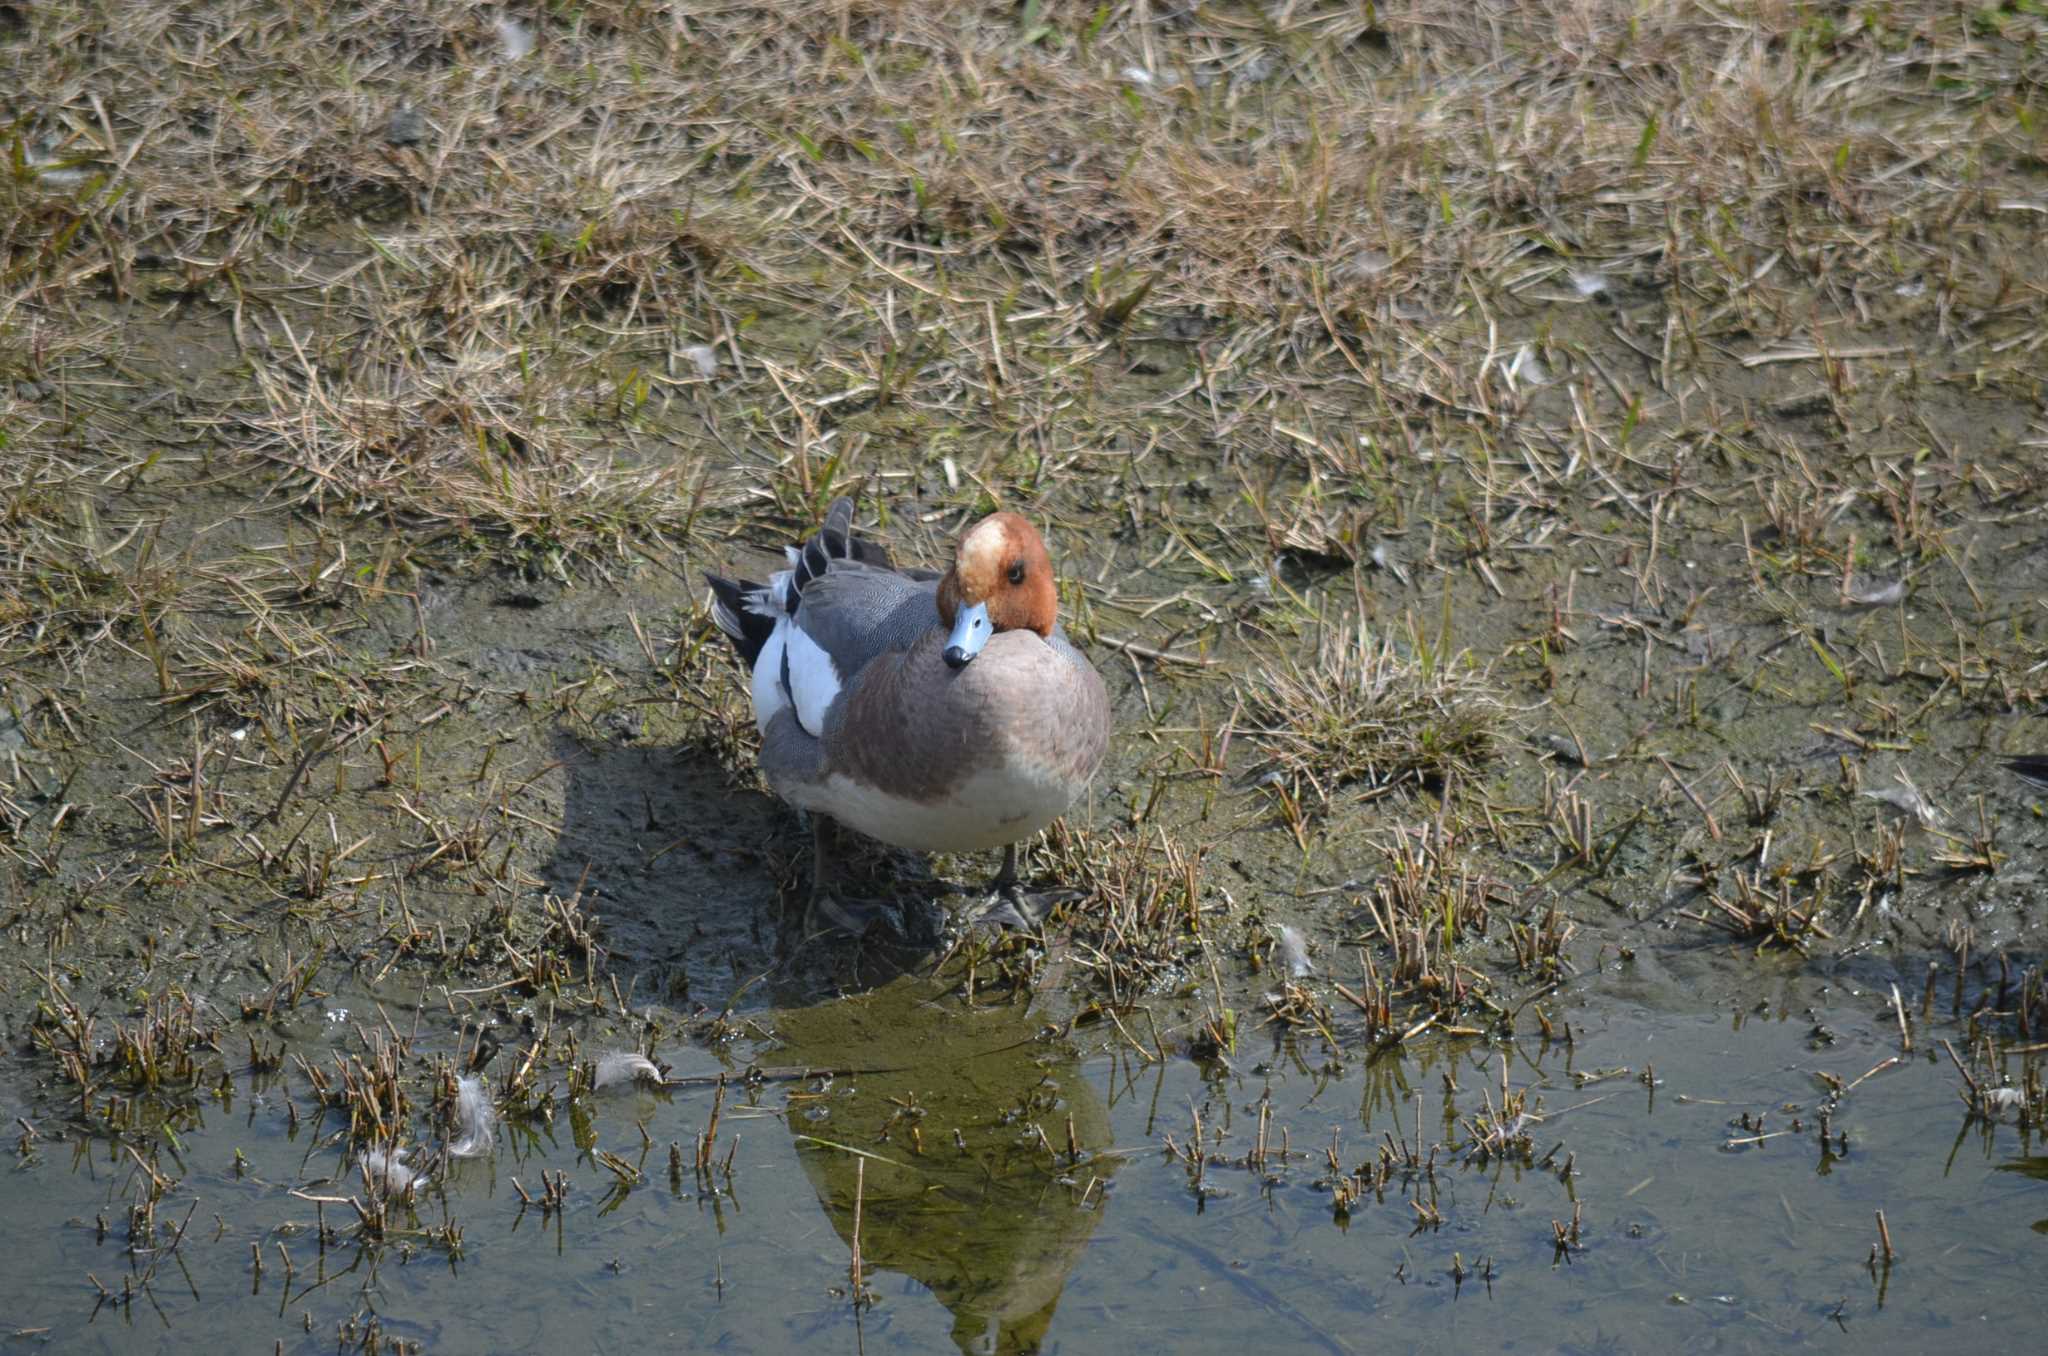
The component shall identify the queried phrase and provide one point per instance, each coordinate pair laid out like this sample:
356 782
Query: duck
932 711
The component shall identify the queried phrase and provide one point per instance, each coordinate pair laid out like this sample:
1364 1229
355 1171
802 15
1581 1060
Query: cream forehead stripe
981 553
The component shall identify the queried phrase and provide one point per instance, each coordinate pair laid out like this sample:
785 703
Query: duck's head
1001 580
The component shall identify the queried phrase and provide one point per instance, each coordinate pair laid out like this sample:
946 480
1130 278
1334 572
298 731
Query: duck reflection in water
963 1195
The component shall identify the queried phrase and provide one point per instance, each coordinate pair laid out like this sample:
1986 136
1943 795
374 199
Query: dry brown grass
377 377
1373 712
1354 214
1661 329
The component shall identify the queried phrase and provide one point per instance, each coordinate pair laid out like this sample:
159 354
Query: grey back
856 612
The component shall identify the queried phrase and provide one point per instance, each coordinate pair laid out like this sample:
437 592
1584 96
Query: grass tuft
1370 710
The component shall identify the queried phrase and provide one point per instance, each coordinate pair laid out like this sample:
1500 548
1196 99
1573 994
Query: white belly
994 807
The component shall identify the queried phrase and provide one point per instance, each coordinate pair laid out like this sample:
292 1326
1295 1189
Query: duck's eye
1016 572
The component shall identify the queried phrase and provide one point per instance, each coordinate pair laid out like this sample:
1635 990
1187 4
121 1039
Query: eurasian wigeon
939 713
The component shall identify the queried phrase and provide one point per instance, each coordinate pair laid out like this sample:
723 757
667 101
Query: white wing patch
769 698
813 681
792 669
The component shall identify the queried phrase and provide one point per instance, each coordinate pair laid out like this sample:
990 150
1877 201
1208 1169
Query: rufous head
1001 580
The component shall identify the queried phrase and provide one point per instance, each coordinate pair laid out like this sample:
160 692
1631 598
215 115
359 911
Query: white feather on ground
1907 799
1876 593
703 357
476 1120
1293 951
386 1172
515 39
625 1066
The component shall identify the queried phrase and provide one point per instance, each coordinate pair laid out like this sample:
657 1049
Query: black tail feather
748 630
830 542
2032 769
834 540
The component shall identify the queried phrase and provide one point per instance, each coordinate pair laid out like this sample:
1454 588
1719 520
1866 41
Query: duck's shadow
698 881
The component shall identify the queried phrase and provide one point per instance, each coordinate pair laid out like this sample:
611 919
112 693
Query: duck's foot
829 914
835 916
1014 907
1009 905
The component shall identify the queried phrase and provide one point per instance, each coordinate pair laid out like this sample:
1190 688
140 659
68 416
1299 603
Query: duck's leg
1009 905
827 912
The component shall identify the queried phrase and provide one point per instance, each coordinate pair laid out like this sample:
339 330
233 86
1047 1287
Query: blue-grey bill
971 630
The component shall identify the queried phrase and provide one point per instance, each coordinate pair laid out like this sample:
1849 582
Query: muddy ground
1556 502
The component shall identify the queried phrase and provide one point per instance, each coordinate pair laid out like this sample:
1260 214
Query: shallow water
977 1235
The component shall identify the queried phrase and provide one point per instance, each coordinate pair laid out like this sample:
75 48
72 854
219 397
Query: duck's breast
926 756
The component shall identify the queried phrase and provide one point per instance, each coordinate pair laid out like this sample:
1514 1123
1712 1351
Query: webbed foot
1009 905
836 916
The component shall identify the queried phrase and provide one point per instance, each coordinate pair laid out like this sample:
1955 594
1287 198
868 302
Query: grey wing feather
857 612
832 544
